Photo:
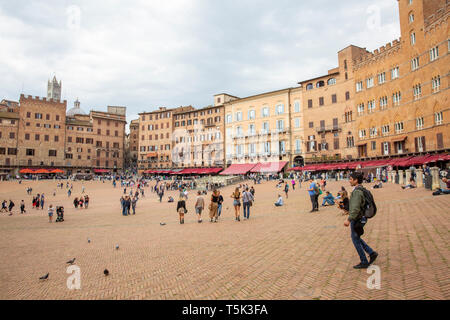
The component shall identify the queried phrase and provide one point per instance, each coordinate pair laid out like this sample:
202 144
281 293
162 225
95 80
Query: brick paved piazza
280 253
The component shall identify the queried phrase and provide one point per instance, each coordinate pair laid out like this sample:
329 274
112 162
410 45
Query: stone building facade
155 138
133 140
261 128
9 132
402 98
327 106
198 137
41 132
37 133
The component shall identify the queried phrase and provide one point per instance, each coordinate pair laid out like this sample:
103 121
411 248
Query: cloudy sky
149 53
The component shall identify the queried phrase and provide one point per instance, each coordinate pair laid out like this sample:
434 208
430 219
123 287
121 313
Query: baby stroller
60 214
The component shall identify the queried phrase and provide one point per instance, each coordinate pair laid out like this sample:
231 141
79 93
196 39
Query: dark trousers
360 246
314 202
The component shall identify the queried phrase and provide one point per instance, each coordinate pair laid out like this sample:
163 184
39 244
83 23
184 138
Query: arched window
320 84
309 86
331 81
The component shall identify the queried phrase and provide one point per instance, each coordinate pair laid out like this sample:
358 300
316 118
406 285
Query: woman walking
214 205
181 208
237 203
286 189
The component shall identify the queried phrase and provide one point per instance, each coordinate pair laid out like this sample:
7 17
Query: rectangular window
12 151
438 118
333 98
359 86
36 137
417 90
395 73
381 78
436 84
52 153
311 124
321 101
434 53
280 125
419 123
413 38
265 112
310 103
369 82
360 109
280 109
347 95
297 106
29 152
12 135
297 122
373 145
415 64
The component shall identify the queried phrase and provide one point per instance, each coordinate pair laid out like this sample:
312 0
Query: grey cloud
145 54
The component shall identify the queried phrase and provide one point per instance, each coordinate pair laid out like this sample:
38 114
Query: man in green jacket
356 220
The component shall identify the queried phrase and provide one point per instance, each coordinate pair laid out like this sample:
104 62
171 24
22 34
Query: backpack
317 189
369 209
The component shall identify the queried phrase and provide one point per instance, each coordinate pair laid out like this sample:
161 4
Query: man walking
313 195
356 220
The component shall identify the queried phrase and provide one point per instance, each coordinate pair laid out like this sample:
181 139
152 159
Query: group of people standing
243 199
79 202
127 203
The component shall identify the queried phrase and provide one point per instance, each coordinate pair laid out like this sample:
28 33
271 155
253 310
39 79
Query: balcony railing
332 128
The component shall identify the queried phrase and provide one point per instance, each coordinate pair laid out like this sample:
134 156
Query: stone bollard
435 175
419 178
408 176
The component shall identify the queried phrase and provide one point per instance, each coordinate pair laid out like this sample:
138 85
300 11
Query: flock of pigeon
105 272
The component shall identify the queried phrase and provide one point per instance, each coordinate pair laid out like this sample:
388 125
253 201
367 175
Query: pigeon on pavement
44 277
117 247
162 223
106 272
71 261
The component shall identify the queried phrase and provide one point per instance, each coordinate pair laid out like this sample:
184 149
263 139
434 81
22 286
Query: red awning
42 171
56 171
210 170
269 167
437 157
26 171
238 169
101 170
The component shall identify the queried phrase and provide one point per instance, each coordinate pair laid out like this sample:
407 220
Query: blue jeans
124 210
219 210
246 210
359 244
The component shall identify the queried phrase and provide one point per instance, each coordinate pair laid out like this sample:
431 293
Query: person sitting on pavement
411 185
345 202
328 200
279 202
442 190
